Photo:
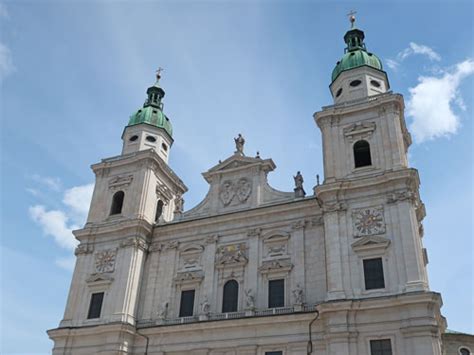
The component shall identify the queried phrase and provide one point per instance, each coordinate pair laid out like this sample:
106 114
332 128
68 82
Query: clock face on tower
368 221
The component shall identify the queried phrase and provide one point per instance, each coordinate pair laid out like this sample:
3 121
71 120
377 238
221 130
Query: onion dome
356 54
152 111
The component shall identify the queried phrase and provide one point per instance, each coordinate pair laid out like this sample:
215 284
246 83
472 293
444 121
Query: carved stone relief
120 181
368 221
278 265
84 248
190 257
275 246
231 254
235 190
105 261
356 131
189 276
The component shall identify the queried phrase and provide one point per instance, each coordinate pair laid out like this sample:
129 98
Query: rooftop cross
352 17
158 73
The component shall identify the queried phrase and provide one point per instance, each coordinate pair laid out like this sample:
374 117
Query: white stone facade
246 231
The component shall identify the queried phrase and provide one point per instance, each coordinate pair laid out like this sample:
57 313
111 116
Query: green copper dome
152 111
356 54
152 116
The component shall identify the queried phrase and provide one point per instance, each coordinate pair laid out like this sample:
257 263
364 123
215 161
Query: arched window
117 203
159 210
231 296
362 154
464 351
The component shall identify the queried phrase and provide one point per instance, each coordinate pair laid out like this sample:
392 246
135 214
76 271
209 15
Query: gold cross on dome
352 17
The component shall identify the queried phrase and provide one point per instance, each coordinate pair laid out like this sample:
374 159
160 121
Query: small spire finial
352 17
158 73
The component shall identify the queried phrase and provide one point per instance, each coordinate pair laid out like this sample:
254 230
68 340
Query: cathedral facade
252 270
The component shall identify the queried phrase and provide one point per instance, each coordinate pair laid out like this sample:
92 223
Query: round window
375 83
355 83
133 138
164 147
339 92
151 139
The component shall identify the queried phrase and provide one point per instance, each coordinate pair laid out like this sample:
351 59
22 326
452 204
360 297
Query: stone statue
239 144
163 313
299 191
250 300
298 294
205 306
178 204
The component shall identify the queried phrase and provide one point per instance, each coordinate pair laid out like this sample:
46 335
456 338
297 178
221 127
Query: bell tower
370 197
133 192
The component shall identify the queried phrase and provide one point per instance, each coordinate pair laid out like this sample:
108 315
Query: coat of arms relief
237 191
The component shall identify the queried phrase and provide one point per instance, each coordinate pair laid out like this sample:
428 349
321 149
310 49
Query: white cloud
78 199
430 103
6 61
66 263
419 49
412 49
59 223
52 183
54 223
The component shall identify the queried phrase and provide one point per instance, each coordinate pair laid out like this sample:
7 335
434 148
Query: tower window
375 83
381 347
355 83
186 307
164 147
159 210
362 154
230 297
339 92
96 305
117 202
151 139
373 274
464 351
276 293
133 138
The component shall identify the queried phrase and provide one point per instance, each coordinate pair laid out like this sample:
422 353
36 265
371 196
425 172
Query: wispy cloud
6 61
412 49
431 102
52 183
59 223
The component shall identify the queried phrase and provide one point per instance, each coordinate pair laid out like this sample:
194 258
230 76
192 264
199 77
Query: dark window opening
276 293
375 83
133 138
355 83
231 296
373 274
151 139
339 92
464 351
154 111
164 147
117 202
273 352
186 307
96 305
159 210
381 347
362 154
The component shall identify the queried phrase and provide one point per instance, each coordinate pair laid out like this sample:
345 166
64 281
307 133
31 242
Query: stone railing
230 315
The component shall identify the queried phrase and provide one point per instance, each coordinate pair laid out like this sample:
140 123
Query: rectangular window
96 305
273 352
373 274
381 347
186 308
276 293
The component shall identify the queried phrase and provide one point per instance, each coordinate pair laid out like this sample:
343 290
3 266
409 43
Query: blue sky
73 71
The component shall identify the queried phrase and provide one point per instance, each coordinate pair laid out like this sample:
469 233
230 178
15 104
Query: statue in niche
298 294
299 191
205 306
239 144
249 299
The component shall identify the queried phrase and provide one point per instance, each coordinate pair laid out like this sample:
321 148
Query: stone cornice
149 157
115 227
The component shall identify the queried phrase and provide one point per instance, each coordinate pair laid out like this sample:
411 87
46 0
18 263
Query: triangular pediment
99 279
237 162
370 243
